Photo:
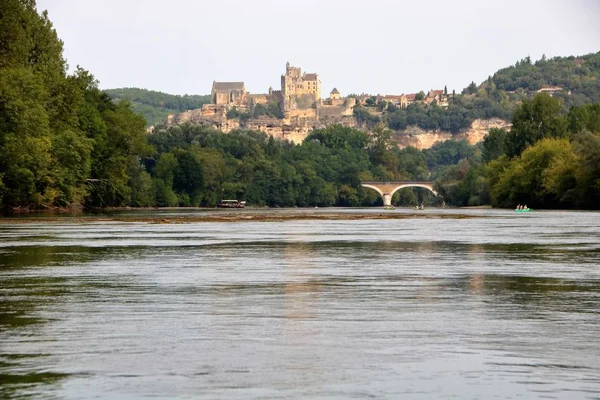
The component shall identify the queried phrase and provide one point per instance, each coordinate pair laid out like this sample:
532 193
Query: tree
420 96
493 145
539 177
471 89
535 120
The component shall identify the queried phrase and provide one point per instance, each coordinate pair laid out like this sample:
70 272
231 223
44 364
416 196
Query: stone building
436 96
299 90
335 94
229 93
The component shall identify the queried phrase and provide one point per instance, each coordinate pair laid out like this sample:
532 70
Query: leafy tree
471 89
533 121
494 144
530 179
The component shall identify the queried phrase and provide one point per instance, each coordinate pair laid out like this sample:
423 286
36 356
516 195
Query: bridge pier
387 199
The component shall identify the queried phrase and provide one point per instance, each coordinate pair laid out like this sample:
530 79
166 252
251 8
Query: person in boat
525 207
518 207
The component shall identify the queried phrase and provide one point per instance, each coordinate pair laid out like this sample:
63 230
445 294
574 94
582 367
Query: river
493 304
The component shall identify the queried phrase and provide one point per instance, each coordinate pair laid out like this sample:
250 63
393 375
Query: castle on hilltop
299 102
295 110
298 91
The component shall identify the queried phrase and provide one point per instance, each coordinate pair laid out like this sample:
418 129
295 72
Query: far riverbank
187 215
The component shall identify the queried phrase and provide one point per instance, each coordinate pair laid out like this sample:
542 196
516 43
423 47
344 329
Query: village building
409 99
550 90
229 93
436 96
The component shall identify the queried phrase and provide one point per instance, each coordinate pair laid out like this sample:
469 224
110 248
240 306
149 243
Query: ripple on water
410 308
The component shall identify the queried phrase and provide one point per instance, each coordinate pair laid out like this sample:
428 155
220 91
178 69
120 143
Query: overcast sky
381 46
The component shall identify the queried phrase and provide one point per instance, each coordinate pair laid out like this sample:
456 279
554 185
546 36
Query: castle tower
335 94
294 84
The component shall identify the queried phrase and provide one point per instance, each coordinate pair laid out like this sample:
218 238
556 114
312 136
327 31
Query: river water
502 305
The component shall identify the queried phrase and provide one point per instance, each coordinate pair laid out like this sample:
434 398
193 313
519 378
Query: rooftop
227 86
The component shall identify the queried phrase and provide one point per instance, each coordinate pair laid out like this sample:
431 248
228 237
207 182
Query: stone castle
299 102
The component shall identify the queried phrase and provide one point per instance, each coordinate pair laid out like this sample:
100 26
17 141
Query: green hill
155 106
574 80
579 77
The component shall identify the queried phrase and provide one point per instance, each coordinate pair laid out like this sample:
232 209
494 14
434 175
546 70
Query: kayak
523 210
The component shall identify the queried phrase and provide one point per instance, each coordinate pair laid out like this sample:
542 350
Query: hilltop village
291 112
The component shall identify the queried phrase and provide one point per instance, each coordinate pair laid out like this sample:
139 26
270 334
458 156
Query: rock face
298 124
421 139
295 127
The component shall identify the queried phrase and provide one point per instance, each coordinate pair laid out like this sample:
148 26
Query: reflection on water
501 306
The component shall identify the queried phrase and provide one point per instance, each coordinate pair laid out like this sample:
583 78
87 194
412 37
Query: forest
64 143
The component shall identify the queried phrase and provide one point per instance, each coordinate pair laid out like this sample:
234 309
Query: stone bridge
387 189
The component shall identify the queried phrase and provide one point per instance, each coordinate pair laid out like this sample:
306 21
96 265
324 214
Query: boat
523 209
232 204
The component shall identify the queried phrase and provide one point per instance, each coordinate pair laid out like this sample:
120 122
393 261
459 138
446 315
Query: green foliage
587 172
533 121
580 75
156 106
58 131
452 119
533 178
365 117
340 137
494 145
556 159
503 92
471 89
448 153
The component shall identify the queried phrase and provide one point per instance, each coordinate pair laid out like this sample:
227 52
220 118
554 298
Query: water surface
503 305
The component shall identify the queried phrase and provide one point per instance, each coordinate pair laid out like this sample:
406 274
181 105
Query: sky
381 46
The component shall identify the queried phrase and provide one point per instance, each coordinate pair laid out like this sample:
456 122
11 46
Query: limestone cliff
422 139
299 123
295 126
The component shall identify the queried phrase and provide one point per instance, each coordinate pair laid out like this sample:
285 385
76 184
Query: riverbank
177 216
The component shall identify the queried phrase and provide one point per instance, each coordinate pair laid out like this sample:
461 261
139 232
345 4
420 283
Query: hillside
155 106
574 80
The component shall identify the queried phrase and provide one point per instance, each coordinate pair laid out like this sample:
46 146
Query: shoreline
235 216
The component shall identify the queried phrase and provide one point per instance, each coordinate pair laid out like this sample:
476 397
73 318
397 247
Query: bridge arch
387 189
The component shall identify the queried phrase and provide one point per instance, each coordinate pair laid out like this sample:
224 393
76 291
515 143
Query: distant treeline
156 106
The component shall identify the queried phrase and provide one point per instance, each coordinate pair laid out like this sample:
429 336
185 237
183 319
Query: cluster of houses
438 97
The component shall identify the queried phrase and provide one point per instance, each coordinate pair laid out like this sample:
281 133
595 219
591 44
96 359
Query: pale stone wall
259 98
302 113
416 137
480 128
